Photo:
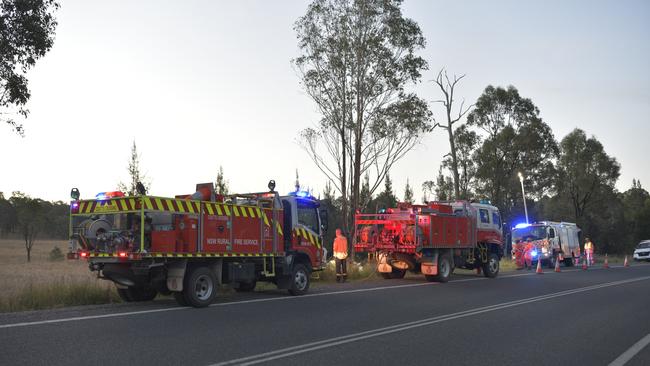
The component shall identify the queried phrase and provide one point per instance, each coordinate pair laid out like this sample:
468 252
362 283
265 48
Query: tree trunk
454 159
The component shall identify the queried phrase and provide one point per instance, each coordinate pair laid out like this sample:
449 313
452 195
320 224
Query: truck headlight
544 250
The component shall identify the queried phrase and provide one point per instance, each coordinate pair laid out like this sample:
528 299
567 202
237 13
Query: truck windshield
528 233
308 216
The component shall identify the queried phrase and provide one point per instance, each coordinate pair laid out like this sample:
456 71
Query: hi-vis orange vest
589 247
341 247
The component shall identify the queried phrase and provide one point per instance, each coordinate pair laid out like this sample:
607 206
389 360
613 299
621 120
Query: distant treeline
22 215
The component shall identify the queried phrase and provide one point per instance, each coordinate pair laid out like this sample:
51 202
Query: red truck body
149 244
416 237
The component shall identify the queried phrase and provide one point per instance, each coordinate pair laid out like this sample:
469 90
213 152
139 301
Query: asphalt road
589 317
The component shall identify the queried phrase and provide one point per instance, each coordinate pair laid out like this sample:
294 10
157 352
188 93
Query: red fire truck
432 239
189 245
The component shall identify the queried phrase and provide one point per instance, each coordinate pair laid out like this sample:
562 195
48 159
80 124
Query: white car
642 251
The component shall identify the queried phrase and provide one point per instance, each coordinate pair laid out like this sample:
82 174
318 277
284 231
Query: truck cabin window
496 219
485 216
528 233
308 215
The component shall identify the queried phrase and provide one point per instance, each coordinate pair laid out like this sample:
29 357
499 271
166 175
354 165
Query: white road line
77 318
331 342
283 298
630 353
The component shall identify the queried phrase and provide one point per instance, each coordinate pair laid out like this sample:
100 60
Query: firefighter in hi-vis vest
528 253
518 252
589 251
340 256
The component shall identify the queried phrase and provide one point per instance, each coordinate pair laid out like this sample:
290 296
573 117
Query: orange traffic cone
539 267
606 264
625 263
584 264
557 265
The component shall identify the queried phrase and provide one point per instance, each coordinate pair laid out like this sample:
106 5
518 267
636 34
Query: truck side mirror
323 220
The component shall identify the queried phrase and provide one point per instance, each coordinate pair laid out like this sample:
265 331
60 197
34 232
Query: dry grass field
43 284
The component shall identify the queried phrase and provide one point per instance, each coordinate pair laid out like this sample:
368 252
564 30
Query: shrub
56 255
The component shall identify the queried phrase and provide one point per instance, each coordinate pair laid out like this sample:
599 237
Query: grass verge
56 295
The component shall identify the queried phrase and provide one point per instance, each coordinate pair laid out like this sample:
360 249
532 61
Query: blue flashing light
533 253
101 196
522 225
302 194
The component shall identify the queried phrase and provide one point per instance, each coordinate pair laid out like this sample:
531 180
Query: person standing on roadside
589 251
340 256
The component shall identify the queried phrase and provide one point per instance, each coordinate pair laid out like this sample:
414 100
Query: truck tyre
444 268
491 268
299 280
180 298
246 286
200 287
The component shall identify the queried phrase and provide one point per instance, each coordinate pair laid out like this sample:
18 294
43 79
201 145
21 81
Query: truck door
553 240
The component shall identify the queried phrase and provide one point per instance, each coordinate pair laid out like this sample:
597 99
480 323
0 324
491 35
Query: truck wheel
200 287
444 268
180 298
491 268
299 280
246 286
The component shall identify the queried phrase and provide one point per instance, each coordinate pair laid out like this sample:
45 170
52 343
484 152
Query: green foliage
386 199
45 219
586 173
357 60
408 193
26 34
30 218
517 141
466 142
365 196
56 255
8 216
428 188
444 187
135 175
221 184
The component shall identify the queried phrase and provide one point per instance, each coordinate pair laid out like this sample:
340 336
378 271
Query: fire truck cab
189 245
550 240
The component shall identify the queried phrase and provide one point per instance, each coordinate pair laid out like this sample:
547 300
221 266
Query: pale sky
200 84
